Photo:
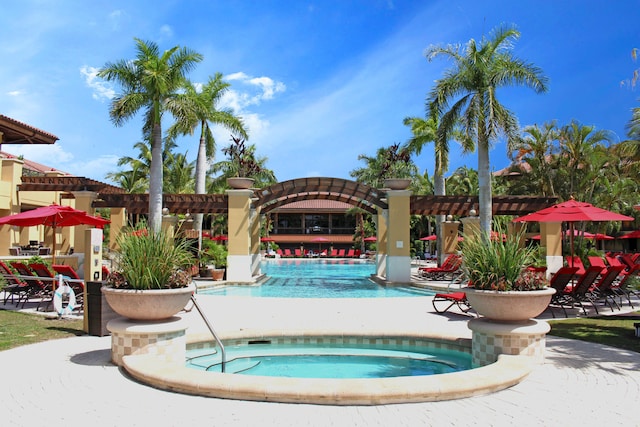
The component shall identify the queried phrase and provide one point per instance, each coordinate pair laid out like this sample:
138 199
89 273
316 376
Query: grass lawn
616 331
18 329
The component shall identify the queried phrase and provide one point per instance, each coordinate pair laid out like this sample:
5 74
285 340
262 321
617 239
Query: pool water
330 360
318 278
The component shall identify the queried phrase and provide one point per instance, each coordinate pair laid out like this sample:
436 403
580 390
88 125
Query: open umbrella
53 216
320 241
371 239
267 239
632 235
220 238
573 211
430 237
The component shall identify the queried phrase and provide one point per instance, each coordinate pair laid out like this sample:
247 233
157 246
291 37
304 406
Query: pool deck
72 381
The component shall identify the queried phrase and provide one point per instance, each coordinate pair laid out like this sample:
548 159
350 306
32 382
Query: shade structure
573 211
371 239
54 216
632 235
429 238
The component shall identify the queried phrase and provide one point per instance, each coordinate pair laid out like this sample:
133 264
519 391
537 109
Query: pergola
269 198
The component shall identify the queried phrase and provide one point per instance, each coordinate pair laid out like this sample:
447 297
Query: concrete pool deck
72 381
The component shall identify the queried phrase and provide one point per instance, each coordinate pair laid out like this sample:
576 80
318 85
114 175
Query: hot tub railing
213 332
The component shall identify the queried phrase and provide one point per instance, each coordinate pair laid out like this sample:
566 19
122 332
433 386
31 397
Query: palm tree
150 82
201 111
242 162
389 162
580 146
471 86
178 178
536 149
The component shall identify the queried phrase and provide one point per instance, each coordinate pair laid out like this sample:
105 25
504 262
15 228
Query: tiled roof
31 165
17 132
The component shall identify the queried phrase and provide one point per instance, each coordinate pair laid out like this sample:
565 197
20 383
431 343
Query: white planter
511 306
397 183
240 183
154 304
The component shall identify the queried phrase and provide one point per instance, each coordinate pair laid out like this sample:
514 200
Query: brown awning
16 132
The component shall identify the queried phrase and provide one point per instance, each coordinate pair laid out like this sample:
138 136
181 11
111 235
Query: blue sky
317 82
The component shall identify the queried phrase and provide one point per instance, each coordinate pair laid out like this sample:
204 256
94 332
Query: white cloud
101 89
257 89
15 93
166 31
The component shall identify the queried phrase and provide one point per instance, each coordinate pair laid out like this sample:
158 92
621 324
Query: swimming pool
332 357
318 278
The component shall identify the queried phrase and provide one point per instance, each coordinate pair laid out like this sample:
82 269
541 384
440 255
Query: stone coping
166 375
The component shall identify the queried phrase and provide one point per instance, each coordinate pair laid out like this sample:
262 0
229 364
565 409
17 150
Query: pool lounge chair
351 253
444 301
581 291
596 261
621 287
450 268
37 288
14 287
575 261
559 281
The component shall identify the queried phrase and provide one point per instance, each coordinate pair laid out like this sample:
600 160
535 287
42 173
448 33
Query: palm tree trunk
201 173
484 183
439 190
155 180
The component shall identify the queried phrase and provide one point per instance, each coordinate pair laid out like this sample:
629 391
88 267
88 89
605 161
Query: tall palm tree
200 111
178 177
150 82
470 86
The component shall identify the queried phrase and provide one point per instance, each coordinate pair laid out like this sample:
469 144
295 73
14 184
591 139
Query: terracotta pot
511 306
240 183
154 304
217 273
397 183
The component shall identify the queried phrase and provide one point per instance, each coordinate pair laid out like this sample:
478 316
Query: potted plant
150 279
213 260
242 162
501 286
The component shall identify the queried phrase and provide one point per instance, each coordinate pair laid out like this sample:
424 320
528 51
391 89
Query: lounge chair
298 252
576 261
287 253
597 261
613 261
73 279
14 286
621 288
603 289
559 281
628 260
341 253
351 253
582 290
334 253
37 288
450 267
458 299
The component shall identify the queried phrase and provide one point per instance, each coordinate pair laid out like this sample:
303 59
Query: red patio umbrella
371 239
53 216
573 211
267 239
430 237
220 238
632 235
320 241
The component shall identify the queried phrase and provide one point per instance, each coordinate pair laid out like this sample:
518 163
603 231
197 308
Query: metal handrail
213 332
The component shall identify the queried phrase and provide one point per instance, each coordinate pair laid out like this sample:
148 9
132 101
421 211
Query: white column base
239 268
381 265
554 263
399 269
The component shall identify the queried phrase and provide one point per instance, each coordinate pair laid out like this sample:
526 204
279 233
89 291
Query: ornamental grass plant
148 260
499 262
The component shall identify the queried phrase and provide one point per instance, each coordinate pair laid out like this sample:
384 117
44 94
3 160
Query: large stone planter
511 306
240 183
155 304
397 183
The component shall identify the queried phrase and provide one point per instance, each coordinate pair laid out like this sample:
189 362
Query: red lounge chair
15 286
621 288
298 253
334 253
613 261
287 253
450 267
597 261
37 288
351 253
559 282
576 261
455 298
341 253
581 291
279 252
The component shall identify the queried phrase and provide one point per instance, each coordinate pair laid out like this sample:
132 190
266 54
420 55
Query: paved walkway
71 382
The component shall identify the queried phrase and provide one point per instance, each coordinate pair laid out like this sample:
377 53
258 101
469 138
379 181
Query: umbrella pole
571 241
53 250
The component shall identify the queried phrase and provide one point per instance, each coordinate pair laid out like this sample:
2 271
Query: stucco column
118 221
254 217
551 239
169 223
84 201
450 237
381 254
9 201
470 226
239 258
398 246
